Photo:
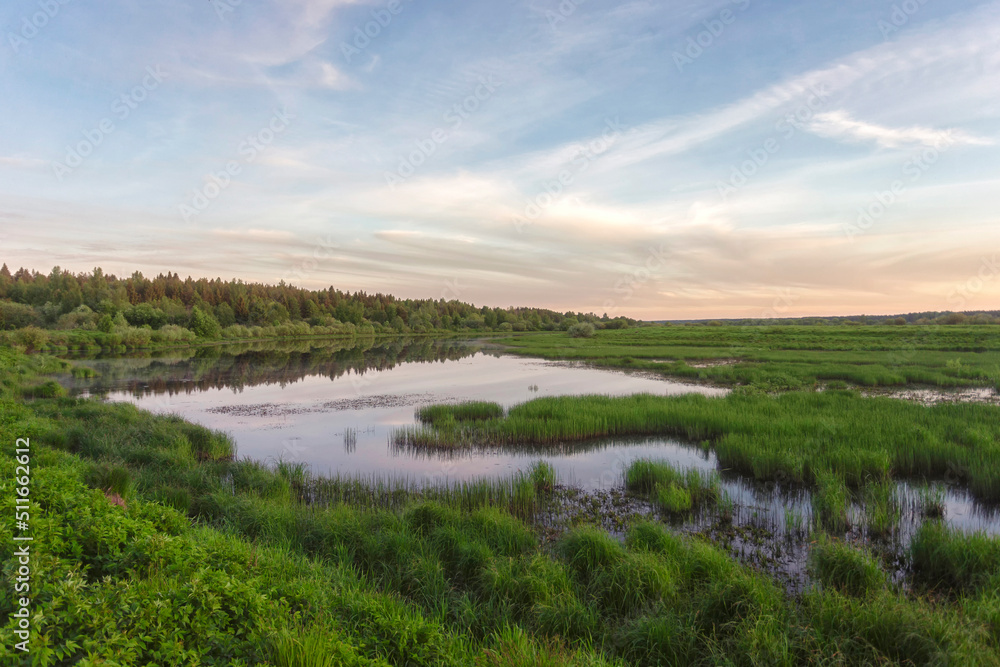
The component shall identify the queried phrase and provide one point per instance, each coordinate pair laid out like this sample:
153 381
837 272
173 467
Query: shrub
203 324
135 336
582 330
32 337
16 315
47 389
172 333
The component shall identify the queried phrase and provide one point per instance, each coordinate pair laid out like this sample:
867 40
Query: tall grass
945 558
839 566
460 412
881 508
793 438
830 503
673 491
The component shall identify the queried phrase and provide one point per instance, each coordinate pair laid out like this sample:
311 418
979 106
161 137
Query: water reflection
334 406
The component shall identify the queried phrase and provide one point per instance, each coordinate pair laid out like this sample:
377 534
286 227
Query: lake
334 407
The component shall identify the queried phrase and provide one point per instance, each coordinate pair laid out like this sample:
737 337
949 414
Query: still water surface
335 408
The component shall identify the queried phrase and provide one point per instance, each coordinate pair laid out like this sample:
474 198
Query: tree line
207 307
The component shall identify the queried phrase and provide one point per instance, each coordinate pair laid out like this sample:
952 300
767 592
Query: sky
660 160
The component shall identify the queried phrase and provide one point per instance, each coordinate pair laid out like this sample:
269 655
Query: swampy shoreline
155 543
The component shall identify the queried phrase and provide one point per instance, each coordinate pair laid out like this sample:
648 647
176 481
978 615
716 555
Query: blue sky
652 159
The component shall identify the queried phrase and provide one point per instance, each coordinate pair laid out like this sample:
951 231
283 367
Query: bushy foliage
204 324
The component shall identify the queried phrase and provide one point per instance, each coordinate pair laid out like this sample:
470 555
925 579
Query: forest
136 306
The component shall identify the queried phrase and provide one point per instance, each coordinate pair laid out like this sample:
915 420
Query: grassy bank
171 338
789 357
154 544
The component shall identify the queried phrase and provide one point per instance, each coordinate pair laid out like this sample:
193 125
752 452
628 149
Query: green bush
204 324
31 337
581 330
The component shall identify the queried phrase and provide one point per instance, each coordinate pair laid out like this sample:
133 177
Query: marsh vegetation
796 527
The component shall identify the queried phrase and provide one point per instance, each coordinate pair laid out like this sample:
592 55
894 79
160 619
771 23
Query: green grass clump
543 476
881 508
588 550
673 499
949 559
830 503
644 476
932 502
46 389
674 492
460 412
851 571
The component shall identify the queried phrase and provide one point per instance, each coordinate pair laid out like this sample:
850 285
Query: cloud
840 125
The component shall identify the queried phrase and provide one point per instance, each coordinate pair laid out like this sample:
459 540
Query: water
334 407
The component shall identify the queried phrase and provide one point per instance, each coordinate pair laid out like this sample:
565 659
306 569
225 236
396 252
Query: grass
830 503
949 560
881 508
212 560
795 437
459 412
837 565
931 499
673 491
789 357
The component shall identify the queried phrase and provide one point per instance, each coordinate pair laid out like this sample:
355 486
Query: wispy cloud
840 125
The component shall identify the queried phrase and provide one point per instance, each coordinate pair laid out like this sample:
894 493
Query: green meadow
790 357
156 544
